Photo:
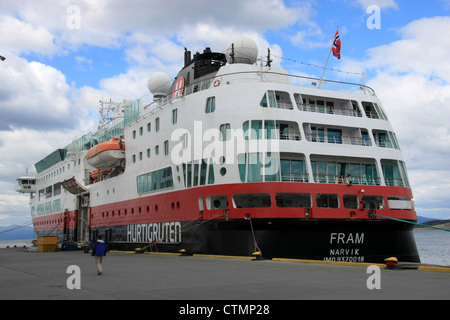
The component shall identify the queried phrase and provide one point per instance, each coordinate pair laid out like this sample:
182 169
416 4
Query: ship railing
339 179
294 177
394 182
384 143
265 76
329 110
338 139
289 135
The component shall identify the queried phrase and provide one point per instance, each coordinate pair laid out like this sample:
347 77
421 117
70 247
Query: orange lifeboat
106 155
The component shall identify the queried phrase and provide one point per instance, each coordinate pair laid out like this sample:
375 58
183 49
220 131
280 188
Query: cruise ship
234 157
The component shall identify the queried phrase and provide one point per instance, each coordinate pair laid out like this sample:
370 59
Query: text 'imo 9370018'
234 157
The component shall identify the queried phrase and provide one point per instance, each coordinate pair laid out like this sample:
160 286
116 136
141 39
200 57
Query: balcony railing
329 110
338 139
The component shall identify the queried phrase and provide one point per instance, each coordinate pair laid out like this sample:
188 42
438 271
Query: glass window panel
254 168
272 170
256 129
242 165
272 99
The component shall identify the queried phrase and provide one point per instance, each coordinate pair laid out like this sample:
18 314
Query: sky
63 56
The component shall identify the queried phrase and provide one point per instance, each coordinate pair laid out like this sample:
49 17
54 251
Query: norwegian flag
337 45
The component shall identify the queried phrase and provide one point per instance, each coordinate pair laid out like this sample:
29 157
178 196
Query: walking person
99 251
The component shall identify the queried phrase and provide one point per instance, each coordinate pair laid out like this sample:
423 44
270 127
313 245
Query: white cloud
33 95
421 50
383 4
412 80
22 37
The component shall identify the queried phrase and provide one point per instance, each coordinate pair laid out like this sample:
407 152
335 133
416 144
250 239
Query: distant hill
15 232
421 219
445 224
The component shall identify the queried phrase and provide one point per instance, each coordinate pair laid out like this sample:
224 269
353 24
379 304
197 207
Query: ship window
327 200
225 132
197 173
141 131
293 170
293 200
48 207
271 101
48 192
148 153
334 136
149 126
57 189
174 116
260 129
351 201
392 174
259 167
134 134
373 202
157 150
140 156
211 173
251 200
166 147
155 180
405 175
210 105
157 124
57 205
399 203
203 172
40 209
345 173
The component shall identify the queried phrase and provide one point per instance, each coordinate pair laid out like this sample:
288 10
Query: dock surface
44 276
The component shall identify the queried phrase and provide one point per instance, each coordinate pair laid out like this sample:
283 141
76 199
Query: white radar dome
159 84
245 50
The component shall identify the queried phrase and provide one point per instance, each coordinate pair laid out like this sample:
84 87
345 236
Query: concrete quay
130 276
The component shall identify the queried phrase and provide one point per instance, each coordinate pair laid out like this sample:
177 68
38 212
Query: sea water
433 246
16 243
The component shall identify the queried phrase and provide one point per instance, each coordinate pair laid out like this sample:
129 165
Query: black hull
331 240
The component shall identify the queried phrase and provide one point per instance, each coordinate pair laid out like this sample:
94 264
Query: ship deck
26 275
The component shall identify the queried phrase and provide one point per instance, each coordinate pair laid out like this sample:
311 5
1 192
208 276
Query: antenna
269 61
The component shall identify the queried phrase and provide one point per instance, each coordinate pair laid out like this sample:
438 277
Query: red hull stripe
185 205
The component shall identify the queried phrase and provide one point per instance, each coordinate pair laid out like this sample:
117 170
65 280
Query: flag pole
323 72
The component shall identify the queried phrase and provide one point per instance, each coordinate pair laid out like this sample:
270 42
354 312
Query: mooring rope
415 223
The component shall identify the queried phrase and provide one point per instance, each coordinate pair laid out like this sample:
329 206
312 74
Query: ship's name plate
162 232
345 254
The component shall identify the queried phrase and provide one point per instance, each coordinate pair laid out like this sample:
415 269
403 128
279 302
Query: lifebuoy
216 83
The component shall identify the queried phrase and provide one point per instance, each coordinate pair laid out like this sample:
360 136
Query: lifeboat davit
107 155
